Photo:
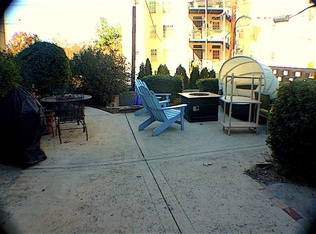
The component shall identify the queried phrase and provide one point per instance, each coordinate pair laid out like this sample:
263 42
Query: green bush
181 72
101 75
44 67
165 84
194 76
208 85
163 70
292 127
204 73
9 75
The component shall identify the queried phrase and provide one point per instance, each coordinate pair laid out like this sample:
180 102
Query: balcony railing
217 35
210 4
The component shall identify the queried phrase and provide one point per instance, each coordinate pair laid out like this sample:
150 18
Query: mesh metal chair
70 109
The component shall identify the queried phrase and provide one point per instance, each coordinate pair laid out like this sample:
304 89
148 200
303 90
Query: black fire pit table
202 106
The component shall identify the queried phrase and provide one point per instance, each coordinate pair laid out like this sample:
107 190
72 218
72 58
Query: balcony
201 4
212 35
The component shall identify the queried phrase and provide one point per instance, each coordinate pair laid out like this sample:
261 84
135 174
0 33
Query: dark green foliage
101 75
292 127
204 73
181 72
164 84
212 74
207 74
142 71
208 85
163 70
9 75
44 65
148 69
194 76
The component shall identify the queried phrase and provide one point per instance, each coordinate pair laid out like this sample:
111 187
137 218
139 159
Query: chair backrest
138 83
152 103
70 109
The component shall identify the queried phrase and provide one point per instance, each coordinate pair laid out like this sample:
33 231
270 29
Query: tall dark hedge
292 128
44 65
163 70
208 85
181 72
164 84
194 76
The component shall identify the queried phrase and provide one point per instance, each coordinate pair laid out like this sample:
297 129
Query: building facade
187 33
206 33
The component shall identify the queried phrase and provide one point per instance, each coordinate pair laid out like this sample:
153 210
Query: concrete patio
125 181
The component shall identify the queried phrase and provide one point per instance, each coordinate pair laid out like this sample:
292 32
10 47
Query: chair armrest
164 101
166 95
175 107
163 94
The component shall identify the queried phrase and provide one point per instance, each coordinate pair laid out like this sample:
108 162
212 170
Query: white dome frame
247 66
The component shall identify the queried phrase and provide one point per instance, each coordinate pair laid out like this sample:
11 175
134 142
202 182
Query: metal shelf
231 99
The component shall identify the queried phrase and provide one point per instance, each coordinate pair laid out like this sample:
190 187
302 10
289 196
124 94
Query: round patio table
68 108
66 98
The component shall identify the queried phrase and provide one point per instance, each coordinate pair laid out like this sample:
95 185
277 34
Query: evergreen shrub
208 85
292 128
101 75
165 84
44 67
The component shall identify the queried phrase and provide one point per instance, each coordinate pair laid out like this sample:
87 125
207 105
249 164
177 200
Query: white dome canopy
246 66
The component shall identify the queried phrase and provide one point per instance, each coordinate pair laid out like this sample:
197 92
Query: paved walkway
125 181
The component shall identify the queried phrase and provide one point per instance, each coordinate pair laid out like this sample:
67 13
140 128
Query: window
216 51
198 50
240 33
216 25
167 30
198 47
272 55
197 21
216 54
153 31
166 7
153 54
297 74
152 6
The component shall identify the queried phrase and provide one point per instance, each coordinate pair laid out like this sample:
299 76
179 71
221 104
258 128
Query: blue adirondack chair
164 103
166 115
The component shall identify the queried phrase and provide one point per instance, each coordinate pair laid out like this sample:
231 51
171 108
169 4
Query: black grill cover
20 128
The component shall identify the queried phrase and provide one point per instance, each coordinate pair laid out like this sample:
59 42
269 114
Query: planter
49 116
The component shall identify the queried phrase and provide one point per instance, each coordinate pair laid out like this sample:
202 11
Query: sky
75 21
72 21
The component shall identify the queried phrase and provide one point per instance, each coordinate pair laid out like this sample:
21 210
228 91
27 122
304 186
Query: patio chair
265 108
70 110
165 96
166 115
47 120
